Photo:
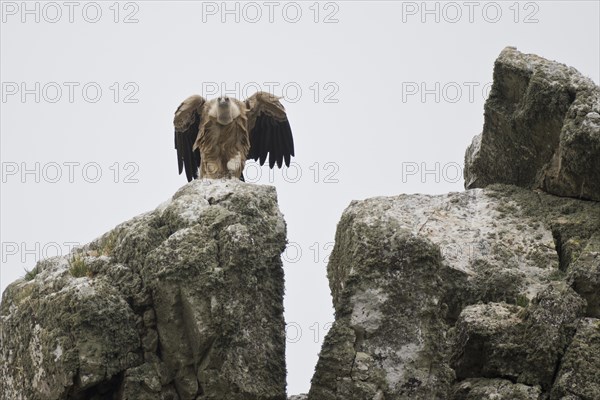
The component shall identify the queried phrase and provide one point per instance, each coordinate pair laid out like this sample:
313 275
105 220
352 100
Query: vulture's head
225 109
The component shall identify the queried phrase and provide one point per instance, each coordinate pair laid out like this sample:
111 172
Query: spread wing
187 122
269 130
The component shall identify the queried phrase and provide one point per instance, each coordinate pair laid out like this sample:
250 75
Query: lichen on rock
579 373
496 389
184 302
491 293
541 129
405 269
480 294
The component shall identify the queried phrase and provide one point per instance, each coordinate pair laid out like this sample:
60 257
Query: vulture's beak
223 101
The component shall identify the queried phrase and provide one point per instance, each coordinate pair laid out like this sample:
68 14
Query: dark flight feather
269 129
187 122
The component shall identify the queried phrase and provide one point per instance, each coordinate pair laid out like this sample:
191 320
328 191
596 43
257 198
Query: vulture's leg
234 166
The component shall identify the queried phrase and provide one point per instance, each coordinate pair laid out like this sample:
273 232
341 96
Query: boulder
541 129
579 374
487 342
478 294
432 290
184 302
520 344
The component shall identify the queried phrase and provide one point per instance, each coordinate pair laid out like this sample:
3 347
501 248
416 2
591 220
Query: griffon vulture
219 135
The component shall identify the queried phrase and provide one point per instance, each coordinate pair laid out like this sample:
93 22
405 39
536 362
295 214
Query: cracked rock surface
541 129
184 302
492 293
579 374
433 290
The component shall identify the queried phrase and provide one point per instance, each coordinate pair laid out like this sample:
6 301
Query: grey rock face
383 282
487 341
494 389
523 345
579 374
492 293
541 129
478 295
433 290
584 275
185 302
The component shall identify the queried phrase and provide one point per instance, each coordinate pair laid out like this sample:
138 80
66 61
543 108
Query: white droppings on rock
189 208
366 313
468 227
238 233
82 287
58 352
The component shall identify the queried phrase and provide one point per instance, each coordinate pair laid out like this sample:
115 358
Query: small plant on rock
30 274
109 244
78 268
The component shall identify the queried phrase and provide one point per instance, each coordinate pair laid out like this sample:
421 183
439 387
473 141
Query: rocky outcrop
184 302
579 374
541 129
433 290
516 343
491 293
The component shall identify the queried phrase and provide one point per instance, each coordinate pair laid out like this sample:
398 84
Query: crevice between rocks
558 245
558 363
359 337
106 389
563 261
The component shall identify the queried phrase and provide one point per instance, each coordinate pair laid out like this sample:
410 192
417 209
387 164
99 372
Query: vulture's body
219 135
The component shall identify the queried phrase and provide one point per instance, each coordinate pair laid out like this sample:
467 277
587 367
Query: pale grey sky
383 98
